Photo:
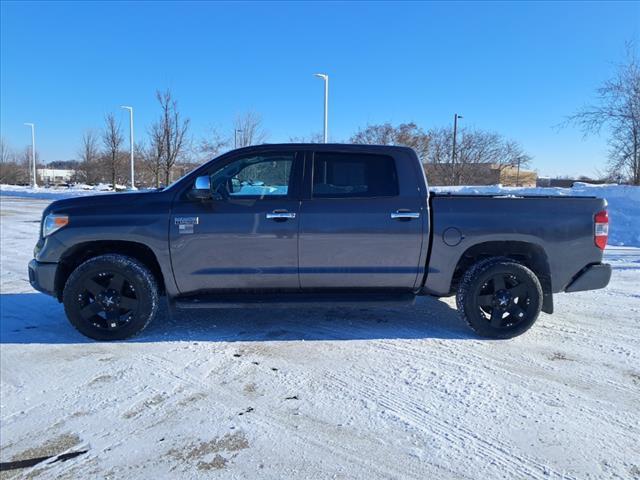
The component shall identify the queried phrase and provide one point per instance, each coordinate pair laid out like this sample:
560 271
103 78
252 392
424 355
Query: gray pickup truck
314 224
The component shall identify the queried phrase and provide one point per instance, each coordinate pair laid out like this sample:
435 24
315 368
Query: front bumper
591 277
42 276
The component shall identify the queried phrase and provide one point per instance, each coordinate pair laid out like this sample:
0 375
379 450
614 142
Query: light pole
325 77
235 137
33 153
453 154
133 183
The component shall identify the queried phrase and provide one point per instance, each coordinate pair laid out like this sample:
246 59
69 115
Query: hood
110 202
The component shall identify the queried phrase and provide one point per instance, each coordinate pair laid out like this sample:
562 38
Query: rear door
361 225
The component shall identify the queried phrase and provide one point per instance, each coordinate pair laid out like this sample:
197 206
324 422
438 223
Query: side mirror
202 188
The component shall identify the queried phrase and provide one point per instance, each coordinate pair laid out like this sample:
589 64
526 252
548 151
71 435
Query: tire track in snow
270 421
375 391
444 430
493 451
604 417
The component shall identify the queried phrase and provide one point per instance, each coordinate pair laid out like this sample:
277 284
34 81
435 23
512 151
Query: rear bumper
592 277
42 276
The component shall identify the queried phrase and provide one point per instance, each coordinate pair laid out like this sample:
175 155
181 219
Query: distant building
481 174
55 176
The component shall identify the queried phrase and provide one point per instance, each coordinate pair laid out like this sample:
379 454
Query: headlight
52 223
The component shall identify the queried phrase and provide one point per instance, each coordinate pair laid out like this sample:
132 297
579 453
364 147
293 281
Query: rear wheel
110 297
499 298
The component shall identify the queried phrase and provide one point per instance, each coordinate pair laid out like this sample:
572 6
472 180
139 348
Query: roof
354 147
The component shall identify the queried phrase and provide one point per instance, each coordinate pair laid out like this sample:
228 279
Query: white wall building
55 175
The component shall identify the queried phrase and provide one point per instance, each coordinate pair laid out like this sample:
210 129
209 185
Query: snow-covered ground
315 393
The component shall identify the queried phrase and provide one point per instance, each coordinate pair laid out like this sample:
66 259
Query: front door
246 237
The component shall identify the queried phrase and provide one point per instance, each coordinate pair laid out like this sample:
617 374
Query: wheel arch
531 255
81 252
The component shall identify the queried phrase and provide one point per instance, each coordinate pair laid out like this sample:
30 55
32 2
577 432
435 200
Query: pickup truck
315 224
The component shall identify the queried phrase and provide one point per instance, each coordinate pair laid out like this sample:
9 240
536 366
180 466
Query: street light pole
325 77
33 154
235 137
133 183
453 154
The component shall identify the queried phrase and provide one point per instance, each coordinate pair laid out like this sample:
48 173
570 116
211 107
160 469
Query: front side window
256 176
344 175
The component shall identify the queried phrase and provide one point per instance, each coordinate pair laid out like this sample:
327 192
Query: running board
281 300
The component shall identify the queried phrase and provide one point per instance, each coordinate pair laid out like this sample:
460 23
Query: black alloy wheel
111 297
505 300
499 298
108 300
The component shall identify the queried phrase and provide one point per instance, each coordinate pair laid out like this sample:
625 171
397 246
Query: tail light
601 230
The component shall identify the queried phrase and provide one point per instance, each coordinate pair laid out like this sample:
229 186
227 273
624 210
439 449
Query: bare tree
89 154
25 159
10 170
112 140
17 166
13 174
6 154
313 138
250 129
174 130
407 134
144 175
617 108
154 154
474 147
89 150
211 145
440 146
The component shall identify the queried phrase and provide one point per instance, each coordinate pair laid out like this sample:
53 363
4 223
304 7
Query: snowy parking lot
319 393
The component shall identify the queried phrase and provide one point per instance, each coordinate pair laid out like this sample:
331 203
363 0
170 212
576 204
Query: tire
499 298
110 297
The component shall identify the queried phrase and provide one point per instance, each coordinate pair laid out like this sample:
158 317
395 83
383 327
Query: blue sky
515 68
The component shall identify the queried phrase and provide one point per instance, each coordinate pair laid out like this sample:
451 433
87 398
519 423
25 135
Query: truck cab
289 218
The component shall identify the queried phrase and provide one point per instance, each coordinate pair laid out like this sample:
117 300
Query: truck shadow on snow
36 318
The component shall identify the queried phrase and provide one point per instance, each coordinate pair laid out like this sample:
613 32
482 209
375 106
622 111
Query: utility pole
235 137
518 173
325 77
34 182
133 184
453 154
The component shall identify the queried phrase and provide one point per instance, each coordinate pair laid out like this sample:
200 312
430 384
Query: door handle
280 215
404 215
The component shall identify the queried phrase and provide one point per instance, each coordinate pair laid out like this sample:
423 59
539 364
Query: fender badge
185 224
187 220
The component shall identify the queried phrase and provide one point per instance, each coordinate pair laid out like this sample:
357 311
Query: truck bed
562 228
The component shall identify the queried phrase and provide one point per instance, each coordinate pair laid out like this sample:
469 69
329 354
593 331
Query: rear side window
351 175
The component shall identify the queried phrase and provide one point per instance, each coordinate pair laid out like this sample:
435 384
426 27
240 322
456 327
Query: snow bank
624 204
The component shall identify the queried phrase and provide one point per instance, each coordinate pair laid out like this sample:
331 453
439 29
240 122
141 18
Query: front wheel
110 297
499 298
